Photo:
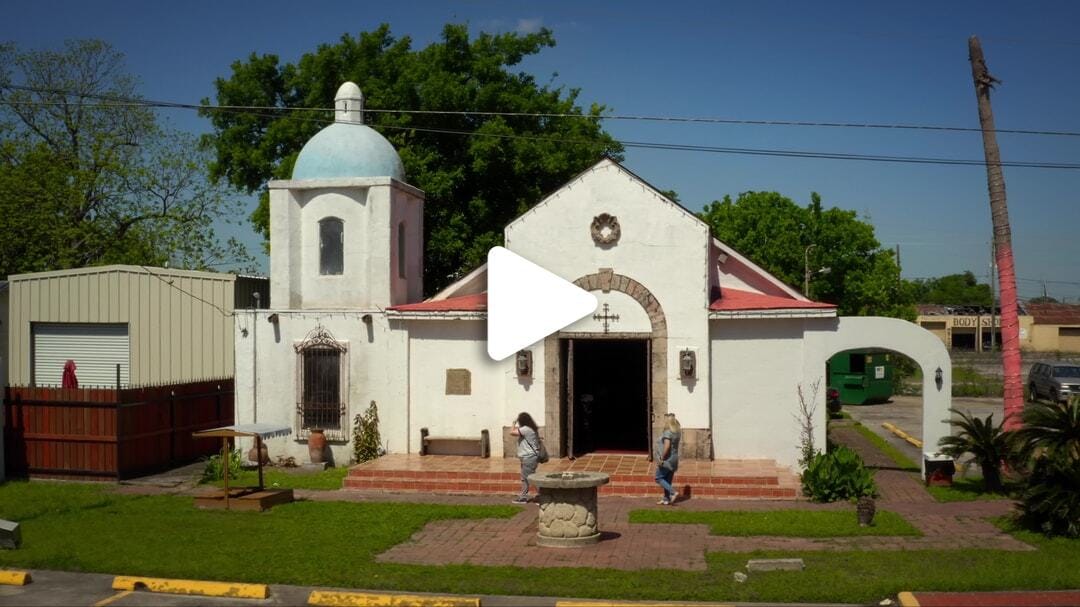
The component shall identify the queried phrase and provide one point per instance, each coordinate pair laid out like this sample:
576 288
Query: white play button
526 303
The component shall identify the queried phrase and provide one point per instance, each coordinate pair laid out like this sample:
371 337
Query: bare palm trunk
999 212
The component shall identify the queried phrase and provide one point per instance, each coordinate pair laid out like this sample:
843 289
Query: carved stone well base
568 514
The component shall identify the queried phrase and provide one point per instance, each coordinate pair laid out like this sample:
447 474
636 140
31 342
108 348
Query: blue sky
901 63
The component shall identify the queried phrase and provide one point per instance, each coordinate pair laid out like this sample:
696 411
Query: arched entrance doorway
918 344
586 369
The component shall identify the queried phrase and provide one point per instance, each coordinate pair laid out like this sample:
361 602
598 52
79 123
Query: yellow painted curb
367 599
199 587
15 578
907 600
904 435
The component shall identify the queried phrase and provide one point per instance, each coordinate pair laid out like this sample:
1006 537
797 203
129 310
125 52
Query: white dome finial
349 104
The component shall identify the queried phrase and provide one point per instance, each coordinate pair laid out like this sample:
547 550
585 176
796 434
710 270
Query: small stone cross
606 317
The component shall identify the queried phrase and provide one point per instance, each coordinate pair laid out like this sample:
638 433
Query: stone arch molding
606 280
909 339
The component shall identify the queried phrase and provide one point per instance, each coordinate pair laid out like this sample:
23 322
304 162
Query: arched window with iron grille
322 385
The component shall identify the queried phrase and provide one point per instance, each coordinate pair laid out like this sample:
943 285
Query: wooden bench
455 445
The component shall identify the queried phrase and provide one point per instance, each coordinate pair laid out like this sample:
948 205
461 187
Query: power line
129 102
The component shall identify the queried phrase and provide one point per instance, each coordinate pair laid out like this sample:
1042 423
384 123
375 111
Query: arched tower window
331 246
401 250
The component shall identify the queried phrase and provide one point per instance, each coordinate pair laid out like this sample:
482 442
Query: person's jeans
528 466
664 477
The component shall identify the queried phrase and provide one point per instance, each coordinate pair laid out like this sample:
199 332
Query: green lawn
896 455
329 479
965 490
87 528
788 523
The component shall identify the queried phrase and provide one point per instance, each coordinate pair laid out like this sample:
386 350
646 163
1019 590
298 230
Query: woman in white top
528 451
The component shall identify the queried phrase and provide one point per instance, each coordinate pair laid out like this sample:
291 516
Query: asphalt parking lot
905 412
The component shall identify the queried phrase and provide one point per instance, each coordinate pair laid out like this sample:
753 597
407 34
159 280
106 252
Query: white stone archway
909 339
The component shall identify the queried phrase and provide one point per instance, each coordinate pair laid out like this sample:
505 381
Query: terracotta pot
317 446
263 451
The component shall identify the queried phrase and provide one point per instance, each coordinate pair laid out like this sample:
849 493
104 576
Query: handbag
541 453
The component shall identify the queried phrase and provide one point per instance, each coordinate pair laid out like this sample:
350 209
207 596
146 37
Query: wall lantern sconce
523 363
937 378
687 364
273 318
366 319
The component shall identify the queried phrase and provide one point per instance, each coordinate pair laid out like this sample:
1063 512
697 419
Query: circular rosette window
605 229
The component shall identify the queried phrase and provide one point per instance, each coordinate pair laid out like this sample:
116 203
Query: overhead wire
269 111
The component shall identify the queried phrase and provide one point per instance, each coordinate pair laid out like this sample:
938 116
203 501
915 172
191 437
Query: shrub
215 471
366 440
837 475
987 443
1049 445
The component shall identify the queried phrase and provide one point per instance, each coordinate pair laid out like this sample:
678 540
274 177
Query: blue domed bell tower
346 232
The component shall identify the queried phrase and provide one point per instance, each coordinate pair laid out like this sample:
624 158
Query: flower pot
865 510
317 446
254 456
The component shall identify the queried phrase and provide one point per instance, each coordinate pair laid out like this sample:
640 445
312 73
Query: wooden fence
106 433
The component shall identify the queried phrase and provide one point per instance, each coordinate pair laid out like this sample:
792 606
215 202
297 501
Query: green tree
787 240
954 290
90 178
478 171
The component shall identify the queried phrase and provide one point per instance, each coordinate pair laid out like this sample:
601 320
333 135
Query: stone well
568 508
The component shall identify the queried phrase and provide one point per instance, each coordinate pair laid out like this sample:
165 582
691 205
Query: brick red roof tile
734 300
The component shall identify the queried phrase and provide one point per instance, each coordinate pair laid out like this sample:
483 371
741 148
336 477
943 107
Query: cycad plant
1049 444
986 442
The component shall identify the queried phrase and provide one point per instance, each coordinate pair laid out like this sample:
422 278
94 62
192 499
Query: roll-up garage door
96 349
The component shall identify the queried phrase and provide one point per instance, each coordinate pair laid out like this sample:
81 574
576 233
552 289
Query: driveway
905 412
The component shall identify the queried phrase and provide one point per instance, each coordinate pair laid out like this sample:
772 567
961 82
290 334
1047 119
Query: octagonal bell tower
346 232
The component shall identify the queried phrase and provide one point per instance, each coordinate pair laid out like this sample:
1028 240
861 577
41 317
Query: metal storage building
159 325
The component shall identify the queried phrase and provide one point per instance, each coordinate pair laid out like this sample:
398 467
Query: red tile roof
1054 313
465 303
734 300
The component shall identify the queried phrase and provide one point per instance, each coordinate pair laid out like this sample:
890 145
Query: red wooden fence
105 433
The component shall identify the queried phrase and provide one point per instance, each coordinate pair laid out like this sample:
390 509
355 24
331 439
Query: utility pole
999 215
806 271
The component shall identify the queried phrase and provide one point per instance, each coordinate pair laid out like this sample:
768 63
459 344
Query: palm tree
1049 442
1051 431
987 443
999 213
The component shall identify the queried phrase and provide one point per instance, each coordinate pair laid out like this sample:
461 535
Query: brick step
509 487
417 475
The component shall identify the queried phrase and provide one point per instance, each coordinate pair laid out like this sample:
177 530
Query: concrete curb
195 587
15 578
904 435
328 598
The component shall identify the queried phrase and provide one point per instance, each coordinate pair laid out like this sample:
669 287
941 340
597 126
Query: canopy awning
263 431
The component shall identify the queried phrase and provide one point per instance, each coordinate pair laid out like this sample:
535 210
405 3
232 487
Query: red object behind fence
69 380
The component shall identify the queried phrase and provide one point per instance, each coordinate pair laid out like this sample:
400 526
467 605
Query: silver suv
1056 381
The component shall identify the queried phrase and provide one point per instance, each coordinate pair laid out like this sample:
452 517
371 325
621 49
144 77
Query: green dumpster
862 376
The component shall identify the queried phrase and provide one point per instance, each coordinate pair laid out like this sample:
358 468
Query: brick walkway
955 525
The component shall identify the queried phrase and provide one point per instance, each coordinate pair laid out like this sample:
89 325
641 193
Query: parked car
1053 380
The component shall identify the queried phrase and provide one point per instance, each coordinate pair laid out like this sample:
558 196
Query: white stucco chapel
685 324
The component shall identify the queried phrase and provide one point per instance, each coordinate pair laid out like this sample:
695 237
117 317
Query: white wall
662 246
922 346
438 345
377 371
370 209
757 368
